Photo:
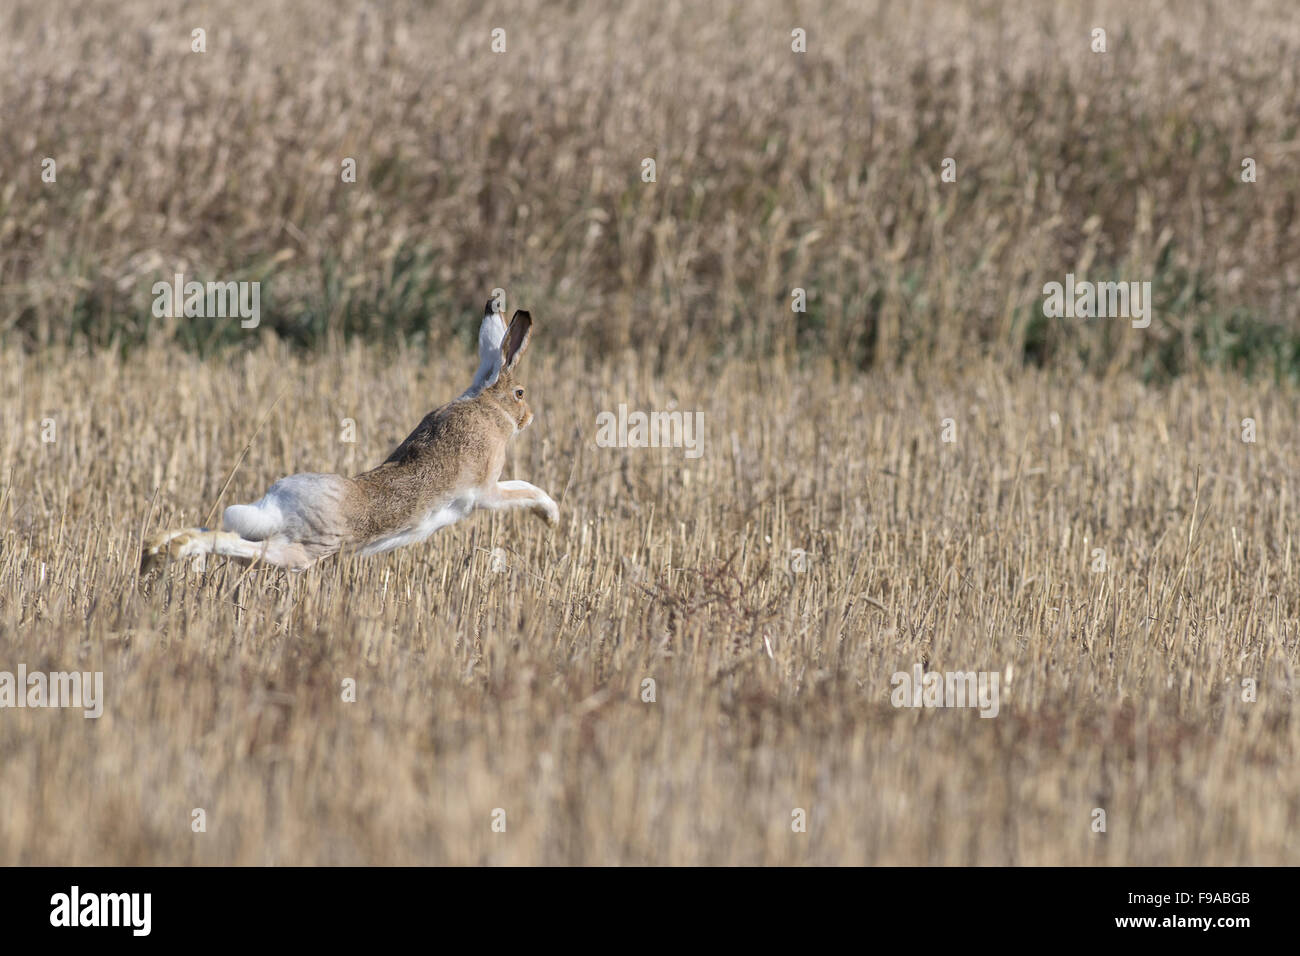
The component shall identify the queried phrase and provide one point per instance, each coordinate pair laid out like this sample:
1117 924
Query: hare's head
500 349
506 390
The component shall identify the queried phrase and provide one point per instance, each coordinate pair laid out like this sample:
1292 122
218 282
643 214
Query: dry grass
775 171
520 690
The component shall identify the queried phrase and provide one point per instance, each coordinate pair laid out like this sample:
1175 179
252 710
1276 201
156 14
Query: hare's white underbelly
449 513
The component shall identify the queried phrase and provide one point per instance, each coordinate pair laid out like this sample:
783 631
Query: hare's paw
171 546
547 510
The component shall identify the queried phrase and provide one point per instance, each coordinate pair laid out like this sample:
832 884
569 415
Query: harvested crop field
886 455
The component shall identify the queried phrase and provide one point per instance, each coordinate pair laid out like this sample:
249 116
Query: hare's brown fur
447 467
462 444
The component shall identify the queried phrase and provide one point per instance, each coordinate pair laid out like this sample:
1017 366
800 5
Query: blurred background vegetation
775 170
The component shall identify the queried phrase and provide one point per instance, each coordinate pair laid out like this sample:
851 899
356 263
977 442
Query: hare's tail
302 507
256 522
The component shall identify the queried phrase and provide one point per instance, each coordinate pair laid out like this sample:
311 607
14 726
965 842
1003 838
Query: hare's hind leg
520 494
197 542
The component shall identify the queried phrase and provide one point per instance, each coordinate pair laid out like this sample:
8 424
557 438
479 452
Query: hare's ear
490 334
516 341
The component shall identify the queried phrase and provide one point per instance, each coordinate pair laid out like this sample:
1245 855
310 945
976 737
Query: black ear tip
490 307
522 316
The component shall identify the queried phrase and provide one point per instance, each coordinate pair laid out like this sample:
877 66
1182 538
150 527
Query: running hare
449 466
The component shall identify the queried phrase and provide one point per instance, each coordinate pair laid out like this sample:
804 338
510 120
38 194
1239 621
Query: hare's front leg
520 494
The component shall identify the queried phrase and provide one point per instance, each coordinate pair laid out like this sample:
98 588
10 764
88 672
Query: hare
448 467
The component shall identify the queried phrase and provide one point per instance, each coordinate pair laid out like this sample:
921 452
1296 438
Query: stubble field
514 682
920 468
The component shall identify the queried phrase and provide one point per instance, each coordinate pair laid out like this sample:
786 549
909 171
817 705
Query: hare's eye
519 394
